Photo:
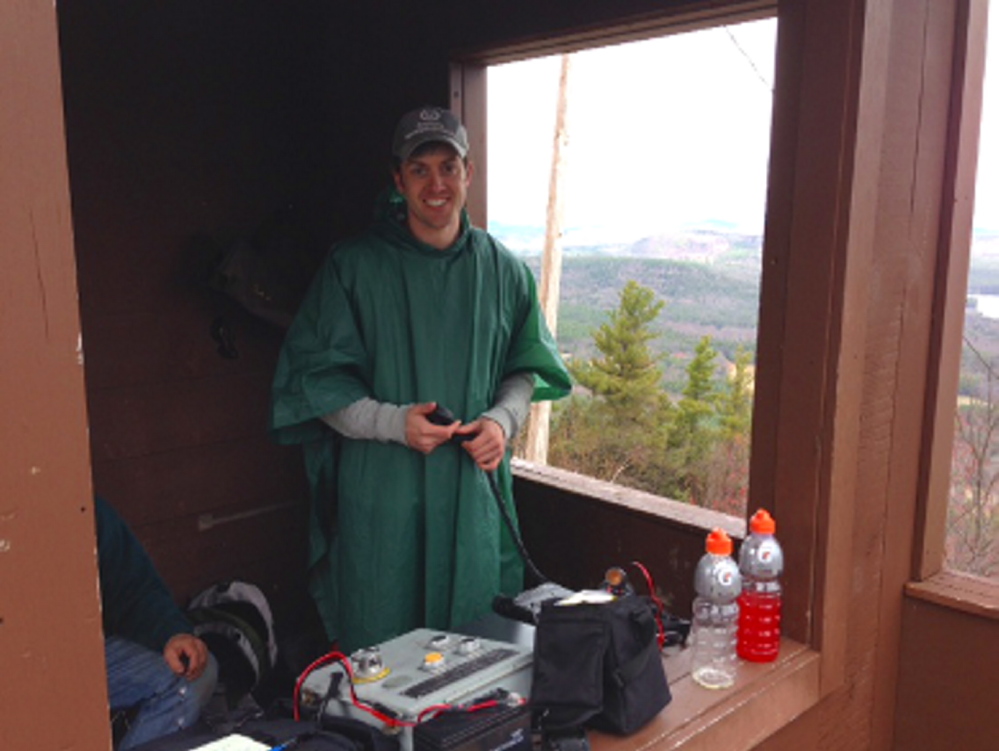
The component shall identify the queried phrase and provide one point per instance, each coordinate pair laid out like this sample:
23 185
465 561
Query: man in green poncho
421 310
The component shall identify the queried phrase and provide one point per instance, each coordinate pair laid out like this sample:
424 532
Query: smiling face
434 181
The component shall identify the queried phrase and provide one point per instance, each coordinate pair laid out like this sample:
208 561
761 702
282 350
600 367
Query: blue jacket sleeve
136 603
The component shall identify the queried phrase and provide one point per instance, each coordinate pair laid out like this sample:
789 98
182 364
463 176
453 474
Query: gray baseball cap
427 125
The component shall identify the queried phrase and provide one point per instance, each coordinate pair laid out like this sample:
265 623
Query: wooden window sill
952 589
681 513
765 698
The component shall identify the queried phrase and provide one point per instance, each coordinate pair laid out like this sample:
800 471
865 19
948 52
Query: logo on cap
425 125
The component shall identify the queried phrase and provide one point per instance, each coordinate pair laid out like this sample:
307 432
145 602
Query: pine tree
628 374
619 432
727 486
694 426
735 403
627 430
697 407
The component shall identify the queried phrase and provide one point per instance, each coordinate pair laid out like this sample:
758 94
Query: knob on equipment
368 664
468 645
440 641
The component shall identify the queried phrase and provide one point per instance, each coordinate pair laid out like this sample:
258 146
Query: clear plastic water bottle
716 614
761 562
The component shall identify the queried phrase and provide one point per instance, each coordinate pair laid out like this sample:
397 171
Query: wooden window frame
931 581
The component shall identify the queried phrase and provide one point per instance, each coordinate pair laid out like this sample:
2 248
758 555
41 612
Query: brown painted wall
50 645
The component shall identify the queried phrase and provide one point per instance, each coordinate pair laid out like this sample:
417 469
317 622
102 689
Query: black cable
441 415
331 689
514 533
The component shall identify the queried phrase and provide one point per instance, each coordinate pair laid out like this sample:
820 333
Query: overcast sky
664 134
987 189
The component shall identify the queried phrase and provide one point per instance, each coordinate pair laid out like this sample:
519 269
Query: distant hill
704 244
984 274
709 280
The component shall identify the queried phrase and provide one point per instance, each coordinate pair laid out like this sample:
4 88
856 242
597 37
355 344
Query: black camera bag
598 665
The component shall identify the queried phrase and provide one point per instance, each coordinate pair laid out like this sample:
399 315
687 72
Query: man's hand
423 435
488 445
186 655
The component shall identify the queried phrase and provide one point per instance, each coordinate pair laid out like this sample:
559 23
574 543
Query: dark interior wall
375 60
190 125
595 535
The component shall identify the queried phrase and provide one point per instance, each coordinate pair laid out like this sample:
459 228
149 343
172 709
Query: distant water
987 305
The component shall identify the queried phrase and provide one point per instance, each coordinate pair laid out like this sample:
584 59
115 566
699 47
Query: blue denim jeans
140 678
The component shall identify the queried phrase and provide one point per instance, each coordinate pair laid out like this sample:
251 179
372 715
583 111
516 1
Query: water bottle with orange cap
715 614
761 562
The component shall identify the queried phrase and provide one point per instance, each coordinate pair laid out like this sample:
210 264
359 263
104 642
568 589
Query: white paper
588 596
234 742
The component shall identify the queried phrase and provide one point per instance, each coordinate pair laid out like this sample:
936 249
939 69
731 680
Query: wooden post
53 687
536 449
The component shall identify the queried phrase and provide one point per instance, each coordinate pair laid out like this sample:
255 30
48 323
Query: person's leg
139 677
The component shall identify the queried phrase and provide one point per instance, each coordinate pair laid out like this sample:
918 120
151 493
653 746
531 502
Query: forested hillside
719 299
682 313
710 285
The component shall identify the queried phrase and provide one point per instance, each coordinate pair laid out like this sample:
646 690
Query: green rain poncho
398 539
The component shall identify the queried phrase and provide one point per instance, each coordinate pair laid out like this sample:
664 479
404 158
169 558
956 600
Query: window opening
659 228
972 533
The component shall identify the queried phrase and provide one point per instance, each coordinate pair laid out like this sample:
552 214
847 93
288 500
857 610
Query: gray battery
420 670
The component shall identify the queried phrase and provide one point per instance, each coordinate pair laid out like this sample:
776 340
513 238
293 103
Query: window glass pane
972 541
659 224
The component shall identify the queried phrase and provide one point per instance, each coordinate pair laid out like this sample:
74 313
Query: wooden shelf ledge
964 592
764 698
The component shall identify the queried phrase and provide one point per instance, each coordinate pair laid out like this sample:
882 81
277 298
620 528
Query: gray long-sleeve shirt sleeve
368 419
513 403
